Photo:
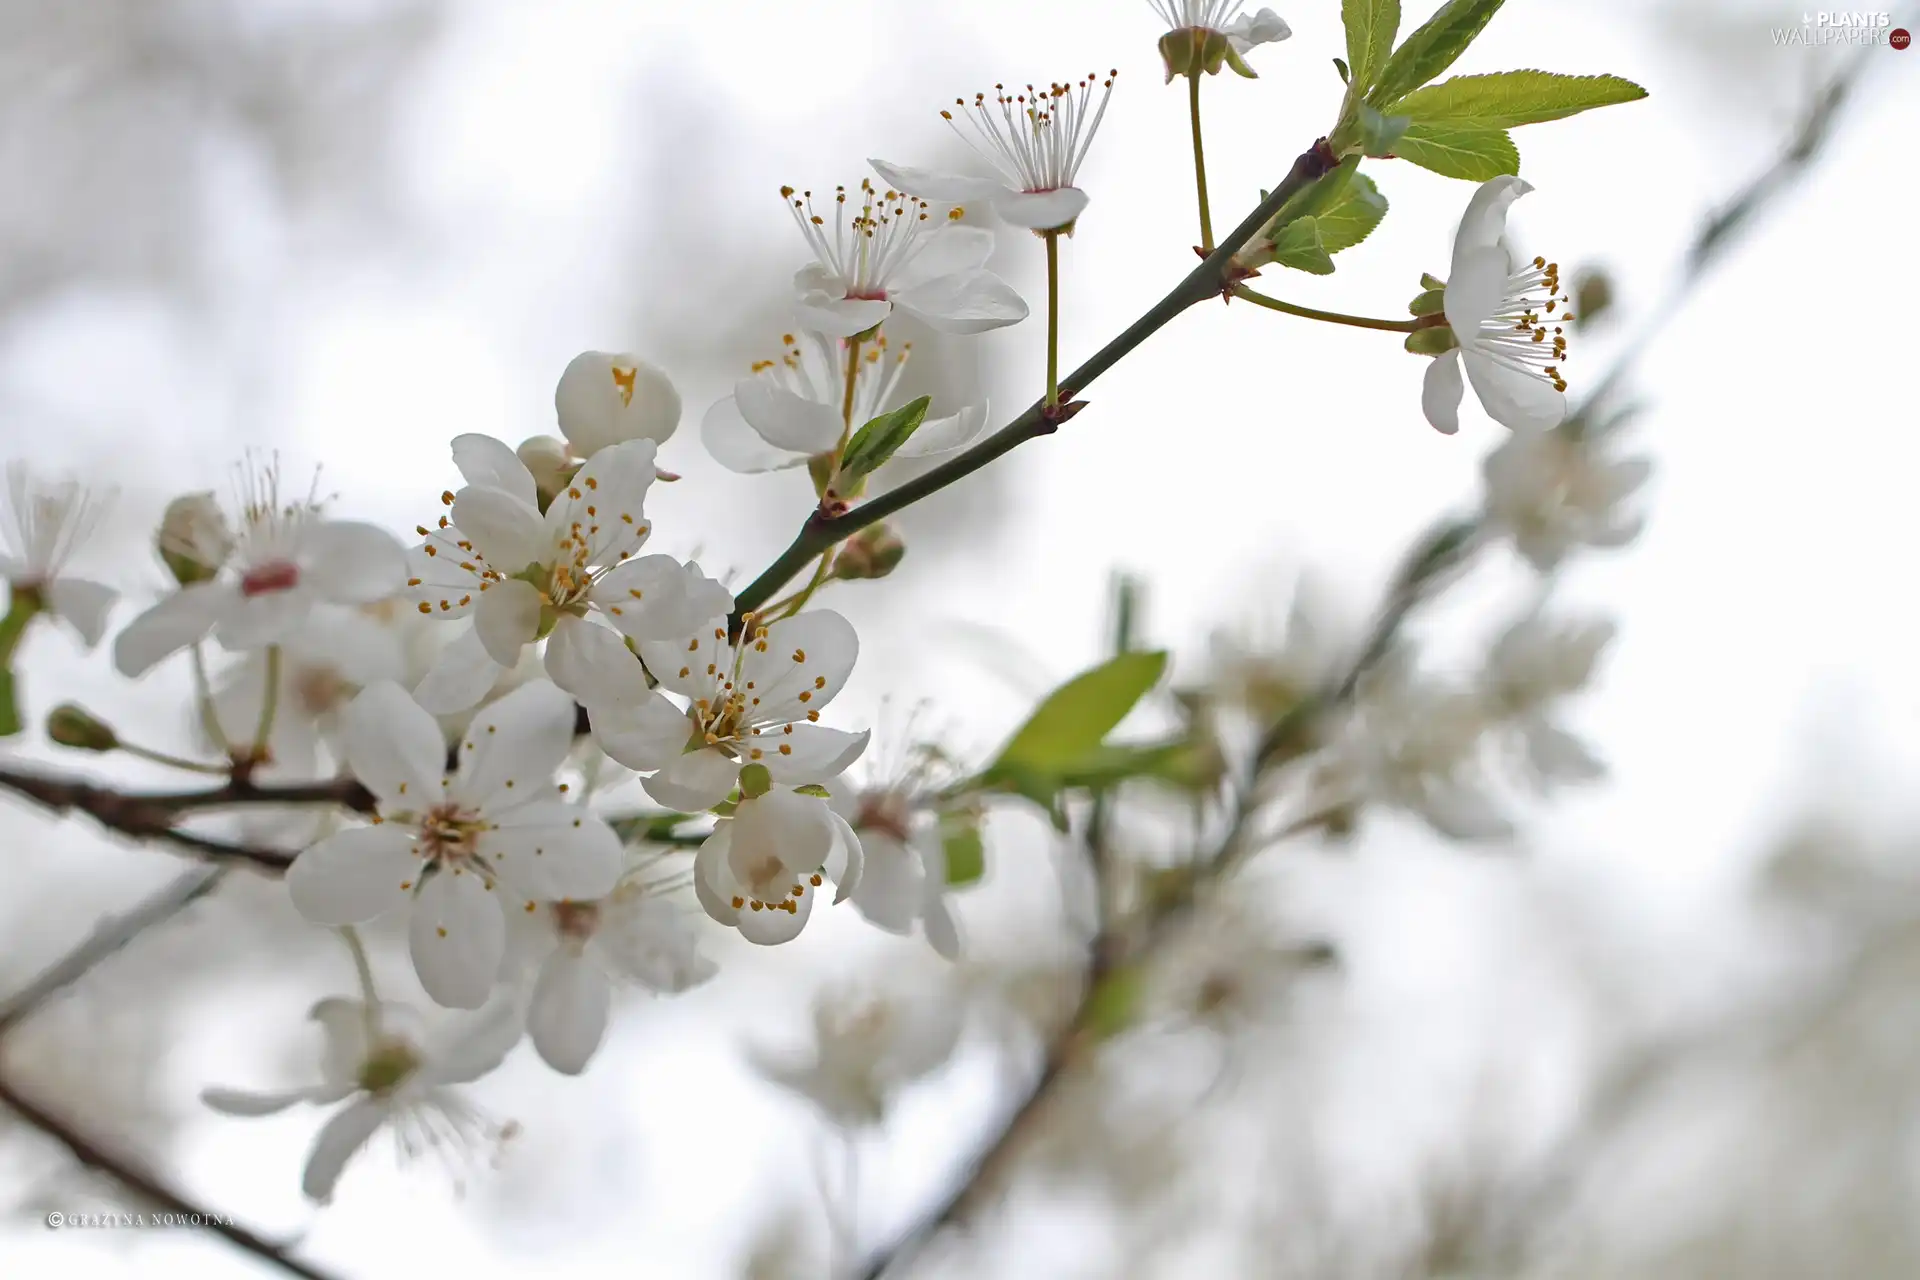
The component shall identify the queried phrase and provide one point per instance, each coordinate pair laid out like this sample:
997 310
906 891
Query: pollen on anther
591 483
413 582
739 903
425 607
406 884
574 492
442 931
806 695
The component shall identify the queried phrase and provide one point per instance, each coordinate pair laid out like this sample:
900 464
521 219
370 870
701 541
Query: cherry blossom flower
1036 139
1553 491
521 575
903 877
754 702
605 399
633 935
868 1046
877 250
451 848
42 524
1534 665
762 868
1511 341
790 409
286 558
1204 34
391 1077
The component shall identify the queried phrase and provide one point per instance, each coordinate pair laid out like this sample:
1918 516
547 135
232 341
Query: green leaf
1510 98
1075 718
1454 151
1432 48
1351 218
966 851
1299 246
1345 77
1371 26
874 443
1177 762
815 790
1379 132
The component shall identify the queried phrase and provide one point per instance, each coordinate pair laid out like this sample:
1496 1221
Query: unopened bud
545 457
74 726
755 781
605 399
1592 294
193 539
874 552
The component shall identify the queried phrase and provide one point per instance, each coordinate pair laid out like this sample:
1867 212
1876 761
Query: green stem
1331 317
269 704
1200 164
363 970
798 600
26 603
172 761
1205 281
1053 316
203 693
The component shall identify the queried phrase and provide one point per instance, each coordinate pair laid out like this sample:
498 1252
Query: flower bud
72 725
608 399
546 458
874 552
193 539
1592 294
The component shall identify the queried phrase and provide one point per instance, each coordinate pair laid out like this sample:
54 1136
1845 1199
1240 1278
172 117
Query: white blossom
286 558
1511 341
1037 140
1222 18
1552 492
452 848
42 523
791 408
633 935
606 399
762 868
877 250
521 575
391 1077
757 701
903 877
1536 663
867 1047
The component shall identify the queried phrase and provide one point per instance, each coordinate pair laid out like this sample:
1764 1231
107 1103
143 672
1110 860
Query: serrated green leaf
1371 26
1432 48
1299 246
1379 132
966 851
1350 219
1452 151
1075 718
877 441
1510 98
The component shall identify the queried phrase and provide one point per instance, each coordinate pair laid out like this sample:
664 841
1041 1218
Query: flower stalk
1200 164
1053 317
1259 299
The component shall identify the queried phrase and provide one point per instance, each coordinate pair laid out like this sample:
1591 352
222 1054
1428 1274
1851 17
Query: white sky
1766 616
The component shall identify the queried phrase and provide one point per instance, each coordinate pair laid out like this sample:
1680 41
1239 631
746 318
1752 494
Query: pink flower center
275 575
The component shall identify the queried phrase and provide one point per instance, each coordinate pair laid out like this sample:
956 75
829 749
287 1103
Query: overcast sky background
581 175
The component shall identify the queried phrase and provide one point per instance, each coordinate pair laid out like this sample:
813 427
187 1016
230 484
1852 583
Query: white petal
568 1016
1515 399
943 932
846 864
485 461
395 747
786 420
83 604
337 1142
653 941
462 674
737 446
457 936
941 188
593 663
343 1026
170 626
838 316
448 581
240 1102
553 851
507 531
521 740
712 882
1474 291
937 436
604 399
474 1046
644 736
693 782
797 830
354 875
507 619
769 928
275 617
952 250
892 885
680 664
805 664
809 752
604 509
1485 219
348 562
1249 30
966 302
1440 392
1042 210
658 598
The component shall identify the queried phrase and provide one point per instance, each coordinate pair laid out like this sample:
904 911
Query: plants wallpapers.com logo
1825 27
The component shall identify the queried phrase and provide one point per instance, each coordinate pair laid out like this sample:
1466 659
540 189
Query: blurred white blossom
1553 492
42 524
867 1047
